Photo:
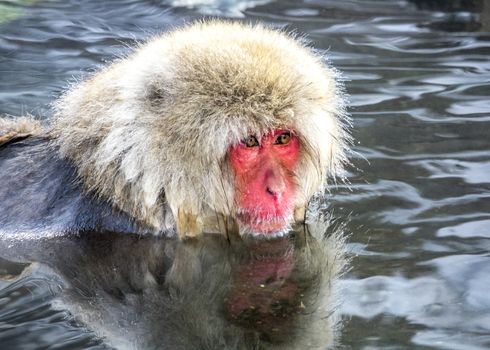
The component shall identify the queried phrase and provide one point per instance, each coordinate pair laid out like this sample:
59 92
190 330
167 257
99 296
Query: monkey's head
220 122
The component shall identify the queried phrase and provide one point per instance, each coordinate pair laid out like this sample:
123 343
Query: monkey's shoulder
40 193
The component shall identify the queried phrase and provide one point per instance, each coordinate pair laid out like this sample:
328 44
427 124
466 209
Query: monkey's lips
254 223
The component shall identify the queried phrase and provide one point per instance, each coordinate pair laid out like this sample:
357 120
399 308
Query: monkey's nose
274 183
271 191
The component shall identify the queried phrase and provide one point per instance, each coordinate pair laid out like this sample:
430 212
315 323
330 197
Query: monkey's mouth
260 224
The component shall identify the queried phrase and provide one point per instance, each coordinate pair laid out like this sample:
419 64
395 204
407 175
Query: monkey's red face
264 181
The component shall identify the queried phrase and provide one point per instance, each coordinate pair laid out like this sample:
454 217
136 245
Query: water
417 208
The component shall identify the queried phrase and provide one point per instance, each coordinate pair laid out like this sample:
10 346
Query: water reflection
147 292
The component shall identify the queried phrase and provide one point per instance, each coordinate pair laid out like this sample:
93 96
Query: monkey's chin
264 235
272 228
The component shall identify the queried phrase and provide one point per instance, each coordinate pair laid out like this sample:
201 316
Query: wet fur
41 197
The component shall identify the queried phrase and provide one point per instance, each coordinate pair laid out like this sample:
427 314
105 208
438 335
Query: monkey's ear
188 224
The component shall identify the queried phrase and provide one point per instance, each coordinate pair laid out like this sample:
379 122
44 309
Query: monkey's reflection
147 292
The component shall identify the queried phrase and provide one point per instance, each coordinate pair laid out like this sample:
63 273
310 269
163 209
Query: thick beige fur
151 132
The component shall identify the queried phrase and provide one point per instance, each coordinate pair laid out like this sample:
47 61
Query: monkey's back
40 194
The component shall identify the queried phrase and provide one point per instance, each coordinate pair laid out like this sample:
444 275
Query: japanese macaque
212 127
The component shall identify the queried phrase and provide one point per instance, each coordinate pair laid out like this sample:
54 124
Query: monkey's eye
251 141
283 139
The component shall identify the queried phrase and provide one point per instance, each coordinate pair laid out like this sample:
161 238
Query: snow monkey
212 126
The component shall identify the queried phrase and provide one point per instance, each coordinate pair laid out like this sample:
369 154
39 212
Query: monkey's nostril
270 191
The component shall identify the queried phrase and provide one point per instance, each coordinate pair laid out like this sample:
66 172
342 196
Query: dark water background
418 207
